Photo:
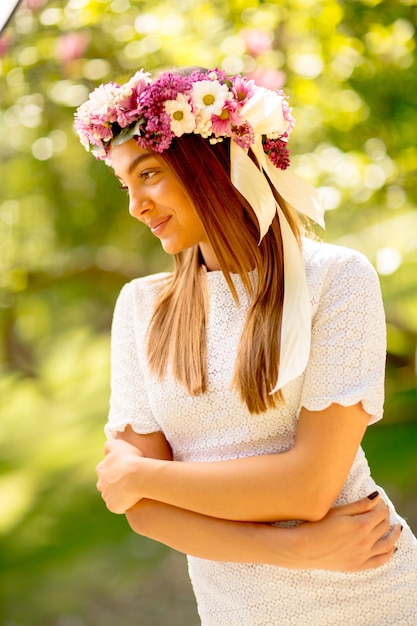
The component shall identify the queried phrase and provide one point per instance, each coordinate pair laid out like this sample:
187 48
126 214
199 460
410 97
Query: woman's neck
208 257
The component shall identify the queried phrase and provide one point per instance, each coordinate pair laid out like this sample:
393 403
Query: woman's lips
157 225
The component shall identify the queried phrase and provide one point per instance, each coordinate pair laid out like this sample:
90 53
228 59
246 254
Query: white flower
124 92
140 77
139 81
180 112
203 126
102 99
209 97
264 111
83 112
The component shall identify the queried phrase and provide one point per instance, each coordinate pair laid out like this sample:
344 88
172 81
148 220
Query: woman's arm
350 538
301 483
153 446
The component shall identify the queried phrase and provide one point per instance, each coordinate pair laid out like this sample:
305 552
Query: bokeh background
67 245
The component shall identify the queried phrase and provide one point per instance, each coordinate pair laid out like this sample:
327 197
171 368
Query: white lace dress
346 366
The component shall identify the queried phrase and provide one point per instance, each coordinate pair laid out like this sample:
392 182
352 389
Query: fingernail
373 495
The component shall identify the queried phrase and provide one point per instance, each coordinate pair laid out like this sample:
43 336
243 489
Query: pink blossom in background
257 41
33 4
71 46
6 40
269 77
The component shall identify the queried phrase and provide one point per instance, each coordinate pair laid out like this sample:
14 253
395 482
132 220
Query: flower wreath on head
215 106
209 104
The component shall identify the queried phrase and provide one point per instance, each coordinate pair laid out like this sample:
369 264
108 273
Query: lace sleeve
128 400
347 360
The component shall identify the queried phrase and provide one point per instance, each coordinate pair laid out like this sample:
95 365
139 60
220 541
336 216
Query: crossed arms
221 510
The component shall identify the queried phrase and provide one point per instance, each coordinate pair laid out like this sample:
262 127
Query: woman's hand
118 475
350 538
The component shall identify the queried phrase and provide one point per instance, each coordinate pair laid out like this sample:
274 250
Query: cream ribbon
264 112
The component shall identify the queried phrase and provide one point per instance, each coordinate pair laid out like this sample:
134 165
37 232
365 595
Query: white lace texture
346 366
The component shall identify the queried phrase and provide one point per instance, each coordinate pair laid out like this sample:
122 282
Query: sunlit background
67 245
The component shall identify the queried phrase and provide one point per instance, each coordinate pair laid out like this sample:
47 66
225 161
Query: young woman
243 381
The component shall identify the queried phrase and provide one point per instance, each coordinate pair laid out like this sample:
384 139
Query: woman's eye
143 177
147 174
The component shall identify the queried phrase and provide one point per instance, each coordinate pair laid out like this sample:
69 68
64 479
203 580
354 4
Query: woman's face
158 199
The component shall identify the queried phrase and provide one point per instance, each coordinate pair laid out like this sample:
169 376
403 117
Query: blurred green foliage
67 244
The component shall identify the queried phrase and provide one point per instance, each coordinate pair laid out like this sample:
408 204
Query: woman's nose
139 206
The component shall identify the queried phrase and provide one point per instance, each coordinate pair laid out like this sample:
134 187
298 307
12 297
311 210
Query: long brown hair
177 332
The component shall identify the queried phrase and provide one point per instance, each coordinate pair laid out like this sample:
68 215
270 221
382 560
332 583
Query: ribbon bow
264 112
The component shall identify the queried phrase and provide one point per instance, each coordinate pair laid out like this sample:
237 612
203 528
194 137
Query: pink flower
277 151
229 117
242 89
244 135
286 110
102 132
92 134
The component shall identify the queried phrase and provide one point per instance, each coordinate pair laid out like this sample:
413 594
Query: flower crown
209 104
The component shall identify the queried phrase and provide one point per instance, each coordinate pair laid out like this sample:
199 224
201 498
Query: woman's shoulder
143 290
152 282
331 267
326 257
